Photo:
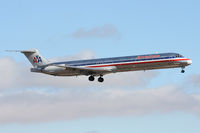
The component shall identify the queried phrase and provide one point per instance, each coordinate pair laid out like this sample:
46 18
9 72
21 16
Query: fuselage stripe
138 62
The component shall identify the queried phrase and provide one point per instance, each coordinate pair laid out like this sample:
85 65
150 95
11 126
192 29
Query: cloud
27 97
40 106
93 131
195 80
104 32
87 54
18 75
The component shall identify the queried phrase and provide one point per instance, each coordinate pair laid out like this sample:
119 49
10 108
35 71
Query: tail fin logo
37 59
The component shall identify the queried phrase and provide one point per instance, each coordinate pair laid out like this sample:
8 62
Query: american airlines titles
148 56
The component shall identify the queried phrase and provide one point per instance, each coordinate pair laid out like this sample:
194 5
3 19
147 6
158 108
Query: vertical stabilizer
34 57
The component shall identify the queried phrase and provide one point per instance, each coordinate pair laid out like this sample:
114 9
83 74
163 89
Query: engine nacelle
37 70
52 69
49 69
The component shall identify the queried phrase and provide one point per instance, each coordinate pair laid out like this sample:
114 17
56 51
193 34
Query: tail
34 57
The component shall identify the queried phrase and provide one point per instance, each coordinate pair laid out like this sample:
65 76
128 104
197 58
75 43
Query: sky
152 101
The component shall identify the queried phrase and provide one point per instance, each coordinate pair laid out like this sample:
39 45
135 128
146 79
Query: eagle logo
37 59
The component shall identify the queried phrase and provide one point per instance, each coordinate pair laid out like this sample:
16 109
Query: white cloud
93 131
26 97
79 56
16 75
106 31
33 106
195 80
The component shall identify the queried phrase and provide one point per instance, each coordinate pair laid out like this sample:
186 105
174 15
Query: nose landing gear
183 71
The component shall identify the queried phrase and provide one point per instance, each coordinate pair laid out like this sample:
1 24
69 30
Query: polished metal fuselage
119 64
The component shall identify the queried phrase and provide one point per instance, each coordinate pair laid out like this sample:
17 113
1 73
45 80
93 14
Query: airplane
103 66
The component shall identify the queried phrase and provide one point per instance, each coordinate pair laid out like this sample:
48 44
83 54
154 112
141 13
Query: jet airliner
100 67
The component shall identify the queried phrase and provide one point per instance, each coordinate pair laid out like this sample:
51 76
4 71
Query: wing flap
87 70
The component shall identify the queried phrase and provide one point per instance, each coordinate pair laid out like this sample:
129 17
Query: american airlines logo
37 59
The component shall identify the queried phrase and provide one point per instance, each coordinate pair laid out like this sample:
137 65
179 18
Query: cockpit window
178 55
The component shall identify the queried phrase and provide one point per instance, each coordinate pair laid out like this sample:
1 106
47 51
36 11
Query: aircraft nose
189 62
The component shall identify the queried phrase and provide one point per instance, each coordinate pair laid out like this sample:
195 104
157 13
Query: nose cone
189 62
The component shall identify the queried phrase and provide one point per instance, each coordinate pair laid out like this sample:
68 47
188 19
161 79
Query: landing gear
91 78
182 71
100 79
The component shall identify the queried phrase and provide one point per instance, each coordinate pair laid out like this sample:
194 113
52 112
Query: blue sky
86 29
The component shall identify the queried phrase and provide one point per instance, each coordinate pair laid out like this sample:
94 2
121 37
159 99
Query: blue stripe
119 60
113 62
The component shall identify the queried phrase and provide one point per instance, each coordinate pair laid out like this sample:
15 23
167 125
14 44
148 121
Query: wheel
100 79
183 71
91 78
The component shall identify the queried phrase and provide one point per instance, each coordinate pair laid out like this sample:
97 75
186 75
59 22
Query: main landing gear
91 78
100 79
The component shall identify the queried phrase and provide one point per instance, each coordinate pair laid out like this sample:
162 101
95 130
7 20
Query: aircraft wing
87 70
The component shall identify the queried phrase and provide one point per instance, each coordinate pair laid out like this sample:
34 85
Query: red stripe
120 64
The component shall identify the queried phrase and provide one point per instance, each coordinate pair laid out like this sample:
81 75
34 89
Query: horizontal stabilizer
13 50
23 51
33 56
